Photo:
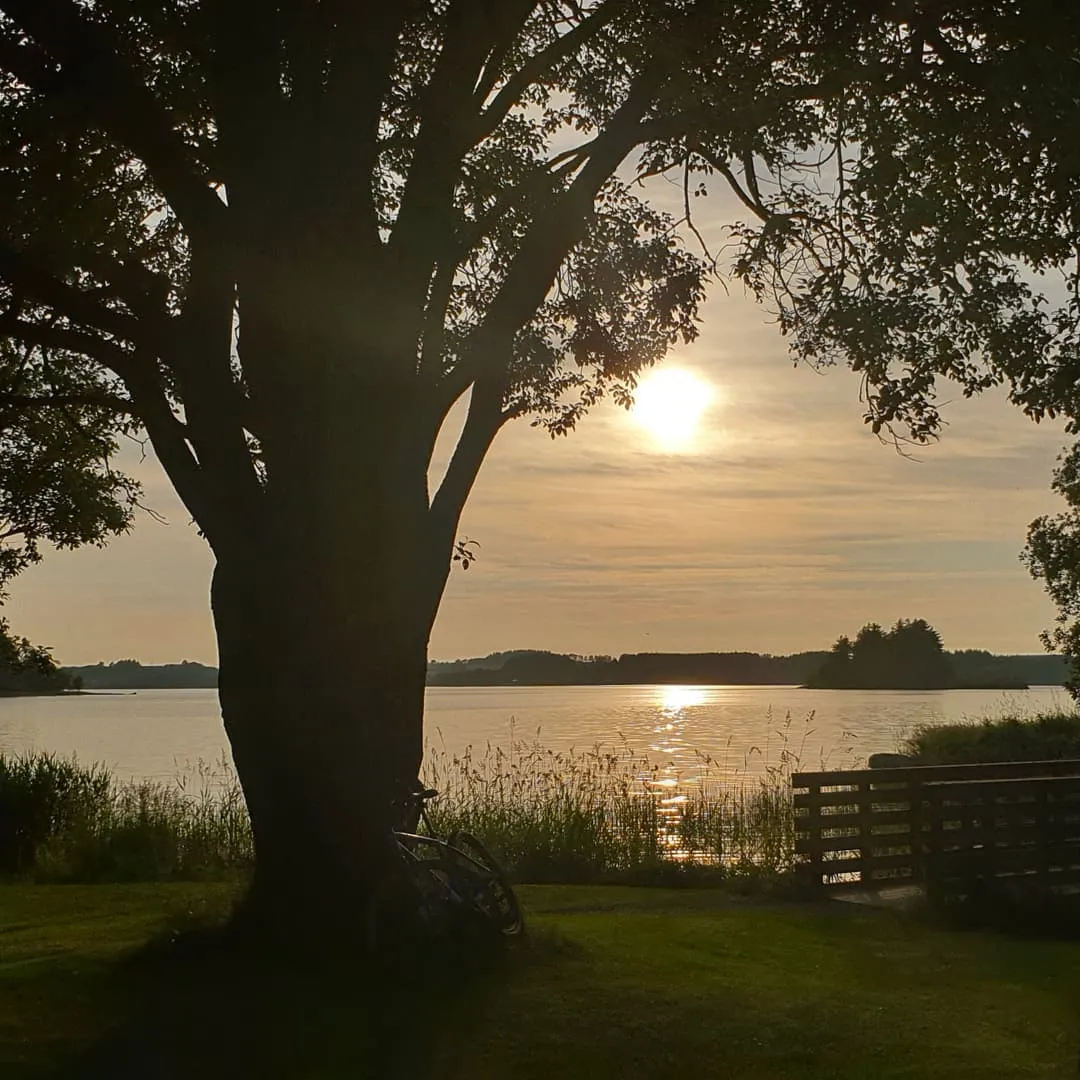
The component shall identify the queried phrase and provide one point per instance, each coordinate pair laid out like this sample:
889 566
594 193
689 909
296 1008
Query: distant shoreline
130 691
118 692
927 689
972 670
38 693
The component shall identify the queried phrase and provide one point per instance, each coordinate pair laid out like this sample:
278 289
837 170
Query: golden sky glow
789 526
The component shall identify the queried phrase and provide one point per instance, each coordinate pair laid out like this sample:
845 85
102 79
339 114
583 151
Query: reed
560 816
614 814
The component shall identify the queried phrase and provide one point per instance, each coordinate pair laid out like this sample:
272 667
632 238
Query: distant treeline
971 667
131 675
528 667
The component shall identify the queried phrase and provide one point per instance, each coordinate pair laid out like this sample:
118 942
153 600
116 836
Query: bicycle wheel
412 901
497 895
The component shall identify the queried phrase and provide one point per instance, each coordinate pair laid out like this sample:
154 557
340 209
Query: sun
669 405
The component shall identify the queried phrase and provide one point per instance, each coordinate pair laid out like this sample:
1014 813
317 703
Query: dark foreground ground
612 982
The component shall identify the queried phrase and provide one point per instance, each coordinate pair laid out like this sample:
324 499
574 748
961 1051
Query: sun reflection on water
673 699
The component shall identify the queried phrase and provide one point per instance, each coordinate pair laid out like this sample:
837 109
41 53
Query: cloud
788 524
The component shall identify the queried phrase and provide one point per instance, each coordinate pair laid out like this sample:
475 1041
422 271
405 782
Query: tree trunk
322 756
322 633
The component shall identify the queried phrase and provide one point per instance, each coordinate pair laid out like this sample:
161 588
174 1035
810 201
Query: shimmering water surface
162 734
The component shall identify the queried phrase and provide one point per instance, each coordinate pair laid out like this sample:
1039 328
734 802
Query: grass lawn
612 982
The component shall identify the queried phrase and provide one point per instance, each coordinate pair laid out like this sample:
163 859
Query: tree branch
244 68
213 403
93 69
482 424
168 436
511 18
111 402
541 253
423 229
148 403
435 312
20 272
541 63
552 234
758 209
954 60
341 134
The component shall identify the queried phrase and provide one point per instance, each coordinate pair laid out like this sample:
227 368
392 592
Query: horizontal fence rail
944 826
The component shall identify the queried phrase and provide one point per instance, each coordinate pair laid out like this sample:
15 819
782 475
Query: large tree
286 241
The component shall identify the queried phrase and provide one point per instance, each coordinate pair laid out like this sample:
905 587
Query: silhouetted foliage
285 245
910 656
1053 556
56 482
26 668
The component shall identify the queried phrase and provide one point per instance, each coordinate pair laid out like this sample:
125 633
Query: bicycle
456 879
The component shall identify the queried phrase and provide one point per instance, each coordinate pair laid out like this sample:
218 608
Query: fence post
815 867
918 848
866 840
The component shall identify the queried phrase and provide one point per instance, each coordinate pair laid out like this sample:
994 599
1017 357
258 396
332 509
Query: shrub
1042 737
41 797
62 821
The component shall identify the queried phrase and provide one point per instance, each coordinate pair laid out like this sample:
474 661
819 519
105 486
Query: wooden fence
944 826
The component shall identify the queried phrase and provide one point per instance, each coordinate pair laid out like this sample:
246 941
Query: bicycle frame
446 874
414 813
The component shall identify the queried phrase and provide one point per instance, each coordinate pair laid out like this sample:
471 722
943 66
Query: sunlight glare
674 699
669 405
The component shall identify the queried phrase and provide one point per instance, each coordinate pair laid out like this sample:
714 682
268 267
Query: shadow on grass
1029 913
199 1006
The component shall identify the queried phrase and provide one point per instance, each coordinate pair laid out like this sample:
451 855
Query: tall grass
603 814
43 797
63 821
613 814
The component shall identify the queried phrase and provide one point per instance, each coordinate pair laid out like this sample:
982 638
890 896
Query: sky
779 525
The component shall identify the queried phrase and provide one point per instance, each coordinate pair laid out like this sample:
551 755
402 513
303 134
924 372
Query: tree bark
322 632
322 757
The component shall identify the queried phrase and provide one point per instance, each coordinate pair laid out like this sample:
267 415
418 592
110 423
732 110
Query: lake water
163 734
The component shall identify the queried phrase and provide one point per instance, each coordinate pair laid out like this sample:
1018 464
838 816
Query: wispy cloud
787 524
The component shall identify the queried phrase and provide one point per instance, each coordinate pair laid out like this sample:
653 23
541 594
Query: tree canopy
456 168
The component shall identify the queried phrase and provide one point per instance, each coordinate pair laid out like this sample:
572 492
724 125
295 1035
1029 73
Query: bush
1042 737
62 821
43 797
